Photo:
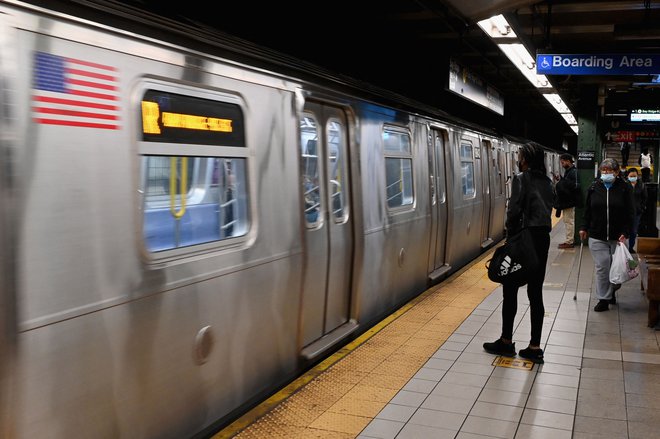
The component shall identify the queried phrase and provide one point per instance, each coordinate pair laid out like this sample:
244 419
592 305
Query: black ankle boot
602 305
498 347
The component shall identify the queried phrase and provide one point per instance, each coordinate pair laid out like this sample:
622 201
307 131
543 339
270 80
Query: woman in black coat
530 206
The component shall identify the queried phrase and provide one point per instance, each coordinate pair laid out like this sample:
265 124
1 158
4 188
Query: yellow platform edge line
260 410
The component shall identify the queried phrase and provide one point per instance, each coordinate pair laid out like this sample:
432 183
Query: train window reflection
467 170
192 200
336 133
398 168
310 170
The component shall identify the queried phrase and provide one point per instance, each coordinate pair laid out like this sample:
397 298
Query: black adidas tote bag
514 261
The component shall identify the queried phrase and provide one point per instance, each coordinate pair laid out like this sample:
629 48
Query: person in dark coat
608 218
567 195
639 197
530 206
625 153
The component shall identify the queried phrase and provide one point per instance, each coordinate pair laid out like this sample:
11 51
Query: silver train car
185 224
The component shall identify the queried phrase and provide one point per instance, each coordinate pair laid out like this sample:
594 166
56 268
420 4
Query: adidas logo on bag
506 267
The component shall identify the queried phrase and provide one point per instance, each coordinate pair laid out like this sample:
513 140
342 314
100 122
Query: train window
192 200
467 170
398 168
310 170
336 133
500 170
193 176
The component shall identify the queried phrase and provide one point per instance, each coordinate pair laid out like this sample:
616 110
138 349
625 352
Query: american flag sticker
74 92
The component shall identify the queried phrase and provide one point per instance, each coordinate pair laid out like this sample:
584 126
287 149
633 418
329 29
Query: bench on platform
648 251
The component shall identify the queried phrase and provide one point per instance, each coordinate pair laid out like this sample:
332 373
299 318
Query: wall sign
470 86
597 64
586 159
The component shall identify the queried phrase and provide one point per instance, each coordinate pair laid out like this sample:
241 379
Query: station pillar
589 148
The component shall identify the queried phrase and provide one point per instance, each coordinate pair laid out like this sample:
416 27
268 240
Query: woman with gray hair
608 218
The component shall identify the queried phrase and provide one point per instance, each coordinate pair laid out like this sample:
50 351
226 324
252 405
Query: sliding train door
439 209
324 134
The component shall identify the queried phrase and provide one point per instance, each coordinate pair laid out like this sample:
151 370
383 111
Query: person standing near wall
639 197
567 198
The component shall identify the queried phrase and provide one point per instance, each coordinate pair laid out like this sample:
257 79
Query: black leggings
541 237
646 175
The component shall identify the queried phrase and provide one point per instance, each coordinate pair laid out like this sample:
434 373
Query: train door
324 135
439 209
486 160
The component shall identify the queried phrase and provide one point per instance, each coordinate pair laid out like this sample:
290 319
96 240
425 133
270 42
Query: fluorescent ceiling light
500 30
557 102
520 57
497 27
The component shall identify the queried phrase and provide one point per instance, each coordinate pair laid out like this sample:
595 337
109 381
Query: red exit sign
624 136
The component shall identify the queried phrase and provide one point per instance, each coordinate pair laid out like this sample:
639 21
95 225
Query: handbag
624 267
514 261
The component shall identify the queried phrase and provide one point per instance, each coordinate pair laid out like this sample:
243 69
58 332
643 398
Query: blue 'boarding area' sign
601 64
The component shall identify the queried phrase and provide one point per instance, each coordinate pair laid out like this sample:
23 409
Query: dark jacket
530 204
639 197
567 190
608 214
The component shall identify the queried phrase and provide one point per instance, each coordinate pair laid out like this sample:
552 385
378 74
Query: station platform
423 373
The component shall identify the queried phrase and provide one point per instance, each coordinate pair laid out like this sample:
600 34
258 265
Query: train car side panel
129 331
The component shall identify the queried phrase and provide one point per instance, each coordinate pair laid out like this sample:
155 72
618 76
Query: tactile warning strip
342 395
344 398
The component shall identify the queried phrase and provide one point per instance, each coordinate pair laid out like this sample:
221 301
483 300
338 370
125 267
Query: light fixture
503 35
497 27
520 57
557 102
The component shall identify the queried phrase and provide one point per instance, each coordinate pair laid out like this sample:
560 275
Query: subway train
188 221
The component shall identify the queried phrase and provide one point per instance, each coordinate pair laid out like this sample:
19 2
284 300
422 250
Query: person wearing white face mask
639 197
608 219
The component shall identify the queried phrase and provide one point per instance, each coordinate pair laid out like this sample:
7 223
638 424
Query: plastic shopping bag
624 267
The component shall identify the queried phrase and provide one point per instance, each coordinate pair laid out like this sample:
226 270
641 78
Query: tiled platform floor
425 374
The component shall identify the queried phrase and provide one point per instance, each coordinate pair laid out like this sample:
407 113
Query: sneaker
498 347
602 305
534 355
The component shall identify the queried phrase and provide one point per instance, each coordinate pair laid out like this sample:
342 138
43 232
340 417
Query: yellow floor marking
341 395
514 363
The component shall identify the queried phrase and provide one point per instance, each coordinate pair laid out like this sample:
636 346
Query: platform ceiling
405 46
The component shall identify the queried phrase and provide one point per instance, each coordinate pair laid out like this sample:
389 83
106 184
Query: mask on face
607 178
632 179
